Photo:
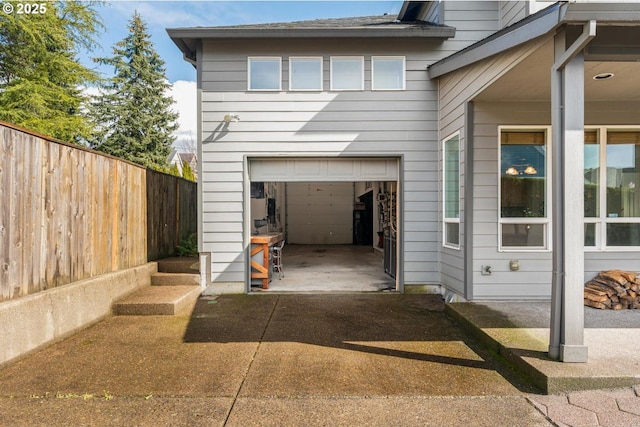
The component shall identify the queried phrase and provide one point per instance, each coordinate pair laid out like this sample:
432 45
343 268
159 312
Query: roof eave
608 13
528 29
544 22
188 50
435 32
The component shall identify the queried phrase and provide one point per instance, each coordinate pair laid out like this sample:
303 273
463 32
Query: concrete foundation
33 321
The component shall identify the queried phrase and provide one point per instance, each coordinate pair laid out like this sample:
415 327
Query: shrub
188 246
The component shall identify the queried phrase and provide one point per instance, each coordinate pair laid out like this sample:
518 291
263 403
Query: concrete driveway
243 360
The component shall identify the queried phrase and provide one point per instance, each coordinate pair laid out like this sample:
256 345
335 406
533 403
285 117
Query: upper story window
347 73
265 73
524 191
305 73
387 72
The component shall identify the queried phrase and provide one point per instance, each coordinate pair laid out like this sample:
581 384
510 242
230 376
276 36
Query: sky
160 15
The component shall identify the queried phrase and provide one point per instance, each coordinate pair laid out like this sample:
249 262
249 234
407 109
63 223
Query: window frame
445 219
333 59
258 58
544 221
320 60
602 220
403 85
602 175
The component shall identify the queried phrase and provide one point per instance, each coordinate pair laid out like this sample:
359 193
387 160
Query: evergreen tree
173 170
133 114
187 172
40 77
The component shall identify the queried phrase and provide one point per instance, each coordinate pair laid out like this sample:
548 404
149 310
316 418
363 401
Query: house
179 158
498 140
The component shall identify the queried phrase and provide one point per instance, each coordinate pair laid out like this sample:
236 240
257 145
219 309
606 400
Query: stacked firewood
614 290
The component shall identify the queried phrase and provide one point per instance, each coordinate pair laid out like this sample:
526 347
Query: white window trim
404 72
321 81
602 220
279 59
546 221
360 58
446 220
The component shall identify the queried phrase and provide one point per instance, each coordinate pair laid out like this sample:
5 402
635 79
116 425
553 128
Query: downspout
559 125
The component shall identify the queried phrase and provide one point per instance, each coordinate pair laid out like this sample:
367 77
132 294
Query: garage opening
336 235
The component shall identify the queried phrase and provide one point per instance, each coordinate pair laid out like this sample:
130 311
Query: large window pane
523 174
623 157
305 73
347 73
387 73
623 234
591 175
452 233
264 74
452 178
523 235
590 230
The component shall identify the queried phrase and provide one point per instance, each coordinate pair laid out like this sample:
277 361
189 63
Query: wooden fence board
68 213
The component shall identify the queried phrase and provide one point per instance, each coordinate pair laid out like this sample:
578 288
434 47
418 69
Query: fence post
115 226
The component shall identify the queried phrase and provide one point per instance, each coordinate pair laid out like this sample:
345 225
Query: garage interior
338 236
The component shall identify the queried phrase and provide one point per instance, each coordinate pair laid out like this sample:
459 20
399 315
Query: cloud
184 94
165 13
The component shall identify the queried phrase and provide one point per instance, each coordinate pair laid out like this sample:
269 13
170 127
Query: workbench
262 243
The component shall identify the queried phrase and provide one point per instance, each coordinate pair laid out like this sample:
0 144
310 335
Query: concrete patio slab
286 360
383 412
519 332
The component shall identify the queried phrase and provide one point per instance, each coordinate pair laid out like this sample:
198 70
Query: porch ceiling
531 80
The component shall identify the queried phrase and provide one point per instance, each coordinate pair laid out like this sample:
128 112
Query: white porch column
567 110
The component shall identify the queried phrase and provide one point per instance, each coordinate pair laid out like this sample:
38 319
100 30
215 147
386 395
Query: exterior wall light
231 118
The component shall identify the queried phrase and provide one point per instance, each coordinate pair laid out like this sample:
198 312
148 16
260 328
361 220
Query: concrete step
179 265
158 300
174 279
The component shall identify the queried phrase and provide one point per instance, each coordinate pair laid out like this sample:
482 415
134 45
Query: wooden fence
171 213
68 213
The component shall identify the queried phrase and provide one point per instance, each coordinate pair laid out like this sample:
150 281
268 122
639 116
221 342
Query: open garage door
332 213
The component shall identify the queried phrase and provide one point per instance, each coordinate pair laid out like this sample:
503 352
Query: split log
609 291
595 304
610 283
614 275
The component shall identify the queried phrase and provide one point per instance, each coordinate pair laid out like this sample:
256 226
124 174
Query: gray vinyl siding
473 21
513 11
456 89
434 13
534 278
398 124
